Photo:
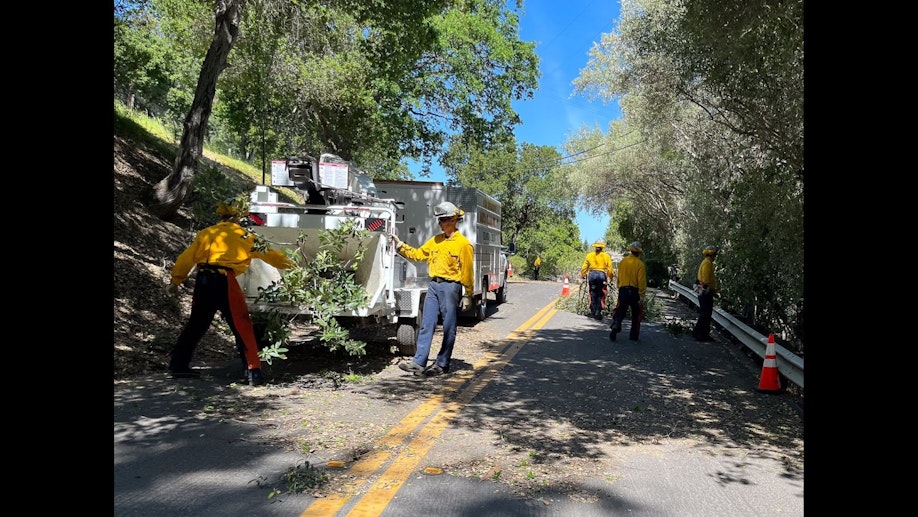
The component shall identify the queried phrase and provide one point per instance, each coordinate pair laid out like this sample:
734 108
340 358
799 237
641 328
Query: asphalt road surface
663 426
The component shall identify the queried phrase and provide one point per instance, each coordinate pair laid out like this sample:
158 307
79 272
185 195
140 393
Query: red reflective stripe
242 320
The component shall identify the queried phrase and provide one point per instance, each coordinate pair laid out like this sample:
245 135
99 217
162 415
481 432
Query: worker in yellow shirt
449 257
706 288
536 264
219 254
599 268
632 287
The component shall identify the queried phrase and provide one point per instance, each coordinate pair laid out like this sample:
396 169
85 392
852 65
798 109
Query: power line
598 155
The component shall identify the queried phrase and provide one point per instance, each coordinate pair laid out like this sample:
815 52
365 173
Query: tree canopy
377 82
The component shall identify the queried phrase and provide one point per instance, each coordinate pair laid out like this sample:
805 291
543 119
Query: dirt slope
146 320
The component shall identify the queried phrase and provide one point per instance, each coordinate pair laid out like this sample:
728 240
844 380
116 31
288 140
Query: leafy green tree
526 181
172 190
142 62
535 214
375 83
711 142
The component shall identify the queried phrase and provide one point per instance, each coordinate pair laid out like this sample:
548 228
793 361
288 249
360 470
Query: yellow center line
383 490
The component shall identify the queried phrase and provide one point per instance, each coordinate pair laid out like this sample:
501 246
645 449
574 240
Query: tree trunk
172 190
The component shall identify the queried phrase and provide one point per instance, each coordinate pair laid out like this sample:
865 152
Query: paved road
663 426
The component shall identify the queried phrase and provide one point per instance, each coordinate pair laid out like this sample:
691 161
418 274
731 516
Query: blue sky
564 32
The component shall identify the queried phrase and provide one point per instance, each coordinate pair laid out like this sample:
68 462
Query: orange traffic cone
509 270
769 382
566 289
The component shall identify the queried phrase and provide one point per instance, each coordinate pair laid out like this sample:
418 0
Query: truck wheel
502 294
407 339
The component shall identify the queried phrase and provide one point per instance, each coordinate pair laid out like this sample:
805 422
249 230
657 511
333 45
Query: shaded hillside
146 320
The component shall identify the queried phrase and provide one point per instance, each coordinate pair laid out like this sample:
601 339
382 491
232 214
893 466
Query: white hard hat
446 209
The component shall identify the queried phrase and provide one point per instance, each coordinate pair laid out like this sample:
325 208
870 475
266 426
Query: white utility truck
481 225
335 192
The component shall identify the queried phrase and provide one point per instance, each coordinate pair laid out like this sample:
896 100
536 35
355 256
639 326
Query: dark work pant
442 299
628 298
597 281
705 310
216 292
535 273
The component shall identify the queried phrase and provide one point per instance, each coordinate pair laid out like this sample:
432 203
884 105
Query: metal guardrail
789 365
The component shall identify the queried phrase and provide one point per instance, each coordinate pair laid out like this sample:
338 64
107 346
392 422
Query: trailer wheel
406 335
407 339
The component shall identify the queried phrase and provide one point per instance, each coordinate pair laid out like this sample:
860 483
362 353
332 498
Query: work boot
436 369
411 366
254 377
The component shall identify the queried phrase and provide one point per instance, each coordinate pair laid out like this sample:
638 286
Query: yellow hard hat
234 206
709 251
600 243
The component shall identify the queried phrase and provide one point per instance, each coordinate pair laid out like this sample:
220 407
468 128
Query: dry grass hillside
146 320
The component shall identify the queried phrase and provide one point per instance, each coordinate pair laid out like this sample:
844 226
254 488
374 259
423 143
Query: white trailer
281 224
395 286
334 192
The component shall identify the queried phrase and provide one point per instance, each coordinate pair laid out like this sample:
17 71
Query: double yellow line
416 436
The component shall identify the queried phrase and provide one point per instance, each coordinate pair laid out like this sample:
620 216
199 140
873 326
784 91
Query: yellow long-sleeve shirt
633 273
599 260
225 244
450 258
706 274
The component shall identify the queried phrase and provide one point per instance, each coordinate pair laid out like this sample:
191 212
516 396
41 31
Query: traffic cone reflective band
566 290
769 382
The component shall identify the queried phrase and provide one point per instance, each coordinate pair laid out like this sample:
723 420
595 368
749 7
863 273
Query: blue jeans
597 280
442 299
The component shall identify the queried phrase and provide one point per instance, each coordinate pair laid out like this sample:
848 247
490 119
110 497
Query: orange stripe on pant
242 320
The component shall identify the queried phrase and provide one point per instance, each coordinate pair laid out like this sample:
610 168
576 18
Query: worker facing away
632 288
219 254
598 270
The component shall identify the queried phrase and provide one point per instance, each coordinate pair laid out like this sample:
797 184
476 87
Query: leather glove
395 240
172 290
466 304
